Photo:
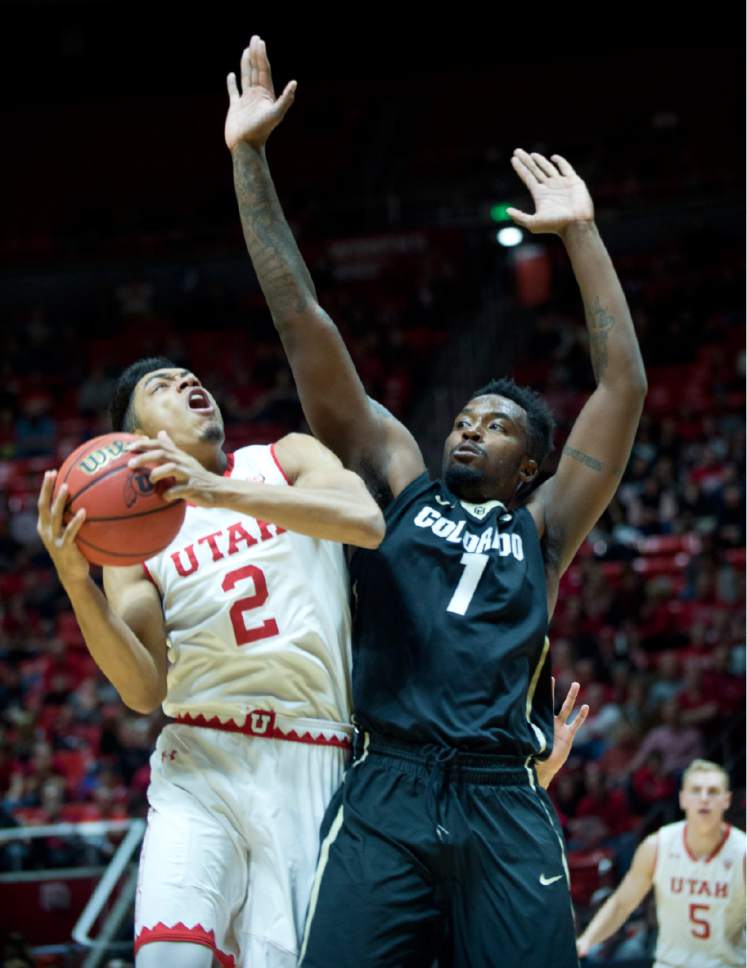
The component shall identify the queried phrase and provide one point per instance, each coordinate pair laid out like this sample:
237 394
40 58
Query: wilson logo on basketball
96 459
137 485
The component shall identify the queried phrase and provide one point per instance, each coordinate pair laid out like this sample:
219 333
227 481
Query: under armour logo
171 755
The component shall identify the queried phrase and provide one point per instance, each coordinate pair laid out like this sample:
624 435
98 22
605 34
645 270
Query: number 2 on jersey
474 566
245 634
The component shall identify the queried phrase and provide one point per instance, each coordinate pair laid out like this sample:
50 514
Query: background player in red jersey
697 870
240 629
430 690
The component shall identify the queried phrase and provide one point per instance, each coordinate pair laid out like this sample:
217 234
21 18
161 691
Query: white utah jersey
700 902
256 616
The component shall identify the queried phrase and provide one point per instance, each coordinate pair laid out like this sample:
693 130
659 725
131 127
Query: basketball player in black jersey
441 822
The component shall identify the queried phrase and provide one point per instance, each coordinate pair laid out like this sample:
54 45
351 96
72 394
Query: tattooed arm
364 436
594 458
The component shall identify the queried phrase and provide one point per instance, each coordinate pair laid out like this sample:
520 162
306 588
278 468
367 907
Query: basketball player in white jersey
697 870
240 628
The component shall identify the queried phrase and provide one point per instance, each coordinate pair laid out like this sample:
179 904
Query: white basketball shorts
232 840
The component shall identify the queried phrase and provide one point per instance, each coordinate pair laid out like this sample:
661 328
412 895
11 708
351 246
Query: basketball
127 519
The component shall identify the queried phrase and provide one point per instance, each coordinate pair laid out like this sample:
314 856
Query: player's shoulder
260 463
669 833
737 838
649 846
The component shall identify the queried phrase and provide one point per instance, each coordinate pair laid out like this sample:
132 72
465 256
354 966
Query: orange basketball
127 519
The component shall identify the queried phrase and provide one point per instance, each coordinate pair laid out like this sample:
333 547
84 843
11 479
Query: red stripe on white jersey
149 576
180 932
280 466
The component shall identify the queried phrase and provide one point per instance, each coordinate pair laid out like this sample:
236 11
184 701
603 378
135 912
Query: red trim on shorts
230 461
280 466
180 932
261 723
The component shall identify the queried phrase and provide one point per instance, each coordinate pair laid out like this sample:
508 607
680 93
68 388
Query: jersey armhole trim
406 491
230 461
148 574
279 465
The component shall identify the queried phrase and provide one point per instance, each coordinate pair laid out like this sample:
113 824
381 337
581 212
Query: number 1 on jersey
474 566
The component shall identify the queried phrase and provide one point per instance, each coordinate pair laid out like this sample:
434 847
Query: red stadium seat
588 869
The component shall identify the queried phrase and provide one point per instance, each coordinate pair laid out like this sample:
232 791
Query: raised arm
364 436
619 906
326 500
597 450
124 629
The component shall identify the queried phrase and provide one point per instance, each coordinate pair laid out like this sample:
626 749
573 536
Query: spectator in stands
35 428
668 681
96 392
677 744
616 759
600 726
602 815
652 786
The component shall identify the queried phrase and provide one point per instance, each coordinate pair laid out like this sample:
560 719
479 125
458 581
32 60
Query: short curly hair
539 416
121 411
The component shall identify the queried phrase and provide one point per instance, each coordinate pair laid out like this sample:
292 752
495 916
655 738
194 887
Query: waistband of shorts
267 724
424 758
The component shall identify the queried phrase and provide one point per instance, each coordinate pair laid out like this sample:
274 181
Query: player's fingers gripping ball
127 518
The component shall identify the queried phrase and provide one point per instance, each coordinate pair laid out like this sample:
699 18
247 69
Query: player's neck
212 458
701 842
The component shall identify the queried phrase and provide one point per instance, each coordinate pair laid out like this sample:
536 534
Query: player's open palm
254 111
560 197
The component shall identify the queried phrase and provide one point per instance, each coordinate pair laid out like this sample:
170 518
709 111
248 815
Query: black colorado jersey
449 626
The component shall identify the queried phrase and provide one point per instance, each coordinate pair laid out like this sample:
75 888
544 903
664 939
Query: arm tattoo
582 458
600 322
380 409
280 268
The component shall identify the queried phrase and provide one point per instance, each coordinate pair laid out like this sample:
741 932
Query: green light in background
499 213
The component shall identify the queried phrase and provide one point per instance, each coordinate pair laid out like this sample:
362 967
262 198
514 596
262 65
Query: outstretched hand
560 197
564 734
254 111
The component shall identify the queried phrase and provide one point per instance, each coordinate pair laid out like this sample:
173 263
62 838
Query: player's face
485 455
174 400
705 799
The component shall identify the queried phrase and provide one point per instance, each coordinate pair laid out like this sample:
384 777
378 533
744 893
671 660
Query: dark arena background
120 238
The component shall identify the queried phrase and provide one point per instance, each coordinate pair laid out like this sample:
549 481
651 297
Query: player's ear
528 470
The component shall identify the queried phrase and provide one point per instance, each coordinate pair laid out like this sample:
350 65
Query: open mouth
467 450
199 401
